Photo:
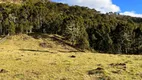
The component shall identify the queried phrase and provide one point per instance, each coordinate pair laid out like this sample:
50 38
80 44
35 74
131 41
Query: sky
124 7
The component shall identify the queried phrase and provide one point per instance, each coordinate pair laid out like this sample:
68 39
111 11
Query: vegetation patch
19 76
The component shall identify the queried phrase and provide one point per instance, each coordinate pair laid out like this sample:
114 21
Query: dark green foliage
85 28
12 28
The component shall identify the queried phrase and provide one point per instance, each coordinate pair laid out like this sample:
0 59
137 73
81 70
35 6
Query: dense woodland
83 27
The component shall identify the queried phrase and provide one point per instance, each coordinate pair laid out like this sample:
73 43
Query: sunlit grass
23 59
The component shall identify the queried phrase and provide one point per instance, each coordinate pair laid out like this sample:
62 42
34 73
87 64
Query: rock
73 56
3 71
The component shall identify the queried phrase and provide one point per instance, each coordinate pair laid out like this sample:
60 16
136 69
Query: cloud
100 5
131 13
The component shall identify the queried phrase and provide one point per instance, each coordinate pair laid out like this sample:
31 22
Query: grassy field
23 57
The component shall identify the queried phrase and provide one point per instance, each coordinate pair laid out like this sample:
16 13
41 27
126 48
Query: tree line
85 28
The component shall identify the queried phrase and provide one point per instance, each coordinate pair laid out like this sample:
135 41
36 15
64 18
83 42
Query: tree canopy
84 27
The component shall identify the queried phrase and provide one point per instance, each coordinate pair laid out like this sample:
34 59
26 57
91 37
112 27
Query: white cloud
131 13
100 5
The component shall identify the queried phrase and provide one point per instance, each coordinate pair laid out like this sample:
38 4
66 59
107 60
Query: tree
12 28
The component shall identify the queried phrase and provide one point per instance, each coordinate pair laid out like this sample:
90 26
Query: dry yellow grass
21 58
11 1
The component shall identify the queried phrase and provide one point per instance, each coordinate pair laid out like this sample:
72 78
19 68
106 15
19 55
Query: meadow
24 57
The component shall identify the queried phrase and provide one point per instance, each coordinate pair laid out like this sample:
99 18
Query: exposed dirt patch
98 70
44 45
18 59
25 38
117 72
119 65
98 74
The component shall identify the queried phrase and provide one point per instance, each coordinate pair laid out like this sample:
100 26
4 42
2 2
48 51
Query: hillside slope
47 57
11 1
53 43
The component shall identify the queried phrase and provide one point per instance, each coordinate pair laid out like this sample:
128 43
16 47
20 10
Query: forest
85 28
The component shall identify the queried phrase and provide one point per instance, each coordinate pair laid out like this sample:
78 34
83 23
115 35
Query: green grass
21 58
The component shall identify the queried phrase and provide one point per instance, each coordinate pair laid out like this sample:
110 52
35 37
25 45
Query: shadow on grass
119 53
54 38
39 35
60 40
31 50
69 51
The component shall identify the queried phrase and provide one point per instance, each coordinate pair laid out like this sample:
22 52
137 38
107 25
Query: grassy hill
18 1
48 57
11 1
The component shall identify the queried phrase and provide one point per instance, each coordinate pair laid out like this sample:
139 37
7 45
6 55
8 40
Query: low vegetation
45 57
